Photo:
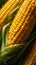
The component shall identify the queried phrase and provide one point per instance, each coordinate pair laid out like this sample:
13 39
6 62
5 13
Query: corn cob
31 58
23 23
10 5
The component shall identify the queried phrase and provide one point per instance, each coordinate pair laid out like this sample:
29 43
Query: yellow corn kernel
10 5
23 23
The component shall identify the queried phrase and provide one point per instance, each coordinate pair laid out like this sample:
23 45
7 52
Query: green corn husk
9 52
15 51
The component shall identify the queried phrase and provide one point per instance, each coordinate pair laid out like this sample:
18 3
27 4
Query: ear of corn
10 5
7 23
7 20
31 58
23 23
